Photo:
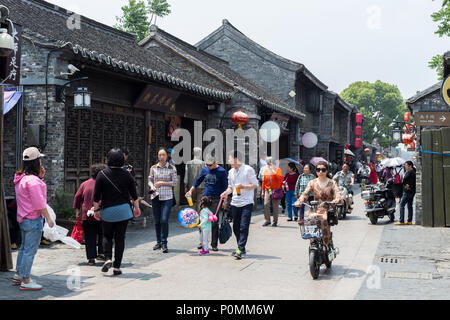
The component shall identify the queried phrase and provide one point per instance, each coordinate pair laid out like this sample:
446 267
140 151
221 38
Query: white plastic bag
58 233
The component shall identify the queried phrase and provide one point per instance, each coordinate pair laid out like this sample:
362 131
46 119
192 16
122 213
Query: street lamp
396 134
81 97
6 43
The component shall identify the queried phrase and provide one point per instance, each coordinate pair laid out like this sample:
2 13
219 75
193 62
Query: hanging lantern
359 118
407 138
366 150
407 116
240 118
358 131
347 146
358 143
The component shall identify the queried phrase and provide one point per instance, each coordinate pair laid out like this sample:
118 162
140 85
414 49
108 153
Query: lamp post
81 97
5 246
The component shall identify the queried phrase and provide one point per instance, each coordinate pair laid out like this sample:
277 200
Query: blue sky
340 41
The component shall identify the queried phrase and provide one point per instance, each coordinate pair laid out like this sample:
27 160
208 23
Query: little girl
205 223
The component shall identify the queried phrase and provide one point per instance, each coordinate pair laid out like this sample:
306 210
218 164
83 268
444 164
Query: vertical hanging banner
10 68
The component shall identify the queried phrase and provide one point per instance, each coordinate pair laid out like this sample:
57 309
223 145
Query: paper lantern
407 116
359 118
240 118
358 143
407 138
358 131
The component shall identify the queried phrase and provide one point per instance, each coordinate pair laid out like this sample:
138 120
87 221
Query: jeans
161 213
407 199
93 237
290 200
302 208
241 224
31 231
116 231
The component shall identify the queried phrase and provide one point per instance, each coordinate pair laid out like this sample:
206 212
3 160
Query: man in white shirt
242 182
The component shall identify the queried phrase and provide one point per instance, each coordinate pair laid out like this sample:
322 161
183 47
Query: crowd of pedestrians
107 201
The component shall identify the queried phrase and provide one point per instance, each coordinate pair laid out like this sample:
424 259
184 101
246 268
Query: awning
11 97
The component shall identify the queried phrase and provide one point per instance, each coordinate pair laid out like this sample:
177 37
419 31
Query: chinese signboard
10 69
282 120
432 118
157 99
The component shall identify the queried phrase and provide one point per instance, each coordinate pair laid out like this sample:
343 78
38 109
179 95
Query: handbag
77 233
225 230
277 194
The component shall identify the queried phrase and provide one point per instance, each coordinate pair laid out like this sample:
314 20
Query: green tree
134 19
137 16
380 104
158 8
442 17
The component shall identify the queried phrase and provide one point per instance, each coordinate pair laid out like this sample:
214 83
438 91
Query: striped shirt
167 173
302 183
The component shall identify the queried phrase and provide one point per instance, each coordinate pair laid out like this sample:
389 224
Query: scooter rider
346 179
364 172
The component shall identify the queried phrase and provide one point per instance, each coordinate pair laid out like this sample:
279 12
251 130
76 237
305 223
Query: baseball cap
32 154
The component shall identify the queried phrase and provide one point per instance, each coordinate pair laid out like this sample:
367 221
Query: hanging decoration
240 118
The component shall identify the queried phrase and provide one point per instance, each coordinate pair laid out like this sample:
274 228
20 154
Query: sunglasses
321 170
209 164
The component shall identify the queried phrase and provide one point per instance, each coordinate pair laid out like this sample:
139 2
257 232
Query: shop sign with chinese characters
432 118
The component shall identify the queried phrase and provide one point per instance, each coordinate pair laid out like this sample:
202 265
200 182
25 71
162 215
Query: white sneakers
31 286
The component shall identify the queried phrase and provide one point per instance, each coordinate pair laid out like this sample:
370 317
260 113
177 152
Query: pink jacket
31 196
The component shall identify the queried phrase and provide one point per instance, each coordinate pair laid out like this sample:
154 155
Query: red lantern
359 118
240 118
407 138
358 131
407 116
358 143
366 150
347 146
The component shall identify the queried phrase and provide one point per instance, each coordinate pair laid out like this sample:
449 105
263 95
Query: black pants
93 237
116 231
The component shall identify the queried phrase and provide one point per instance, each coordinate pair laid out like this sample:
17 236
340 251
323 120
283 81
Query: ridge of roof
261 51
233 79
57 10
424 93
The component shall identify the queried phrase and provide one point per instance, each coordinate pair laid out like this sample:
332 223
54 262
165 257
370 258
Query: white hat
32 154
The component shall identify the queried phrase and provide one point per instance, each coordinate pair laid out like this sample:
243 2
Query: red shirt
291 180
84 198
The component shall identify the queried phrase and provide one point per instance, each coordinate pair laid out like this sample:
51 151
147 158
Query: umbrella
284 165
314 161
349 153
392 162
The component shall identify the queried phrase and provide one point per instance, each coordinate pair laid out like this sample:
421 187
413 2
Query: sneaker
200 246
274 224
91 262
301 222
106 266
164 248
289 220
101 257
203 252
266 224
399 223
243 253
157 246
117 272
295 219
409 223
31 286
215 249
238 254
16 280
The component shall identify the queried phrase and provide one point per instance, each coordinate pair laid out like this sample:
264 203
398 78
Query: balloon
188 218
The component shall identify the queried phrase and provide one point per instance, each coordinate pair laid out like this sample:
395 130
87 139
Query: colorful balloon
188 218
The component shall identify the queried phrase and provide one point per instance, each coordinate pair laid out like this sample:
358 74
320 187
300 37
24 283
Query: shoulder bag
277 194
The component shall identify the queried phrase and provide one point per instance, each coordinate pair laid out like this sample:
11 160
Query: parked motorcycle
380 201
348 202
310 229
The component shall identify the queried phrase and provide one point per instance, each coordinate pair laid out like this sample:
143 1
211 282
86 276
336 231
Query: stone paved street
276 266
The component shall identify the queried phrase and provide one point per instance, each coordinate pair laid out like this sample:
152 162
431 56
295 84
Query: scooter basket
310 229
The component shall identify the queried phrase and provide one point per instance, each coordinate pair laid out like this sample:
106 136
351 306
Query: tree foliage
380 104
442 17
137 16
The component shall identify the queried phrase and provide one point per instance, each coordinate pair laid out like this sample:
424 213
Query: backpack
397 178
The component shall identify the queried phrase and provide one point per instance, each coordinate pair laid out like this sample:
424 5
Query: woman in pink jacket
31 195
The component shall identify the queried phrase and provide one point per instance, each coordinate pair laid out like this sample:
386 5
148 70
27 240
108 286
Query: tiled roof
421 94
220 70
104 45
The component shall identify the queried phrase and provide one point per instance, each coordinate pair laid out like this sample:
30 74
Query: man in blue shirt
216 182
